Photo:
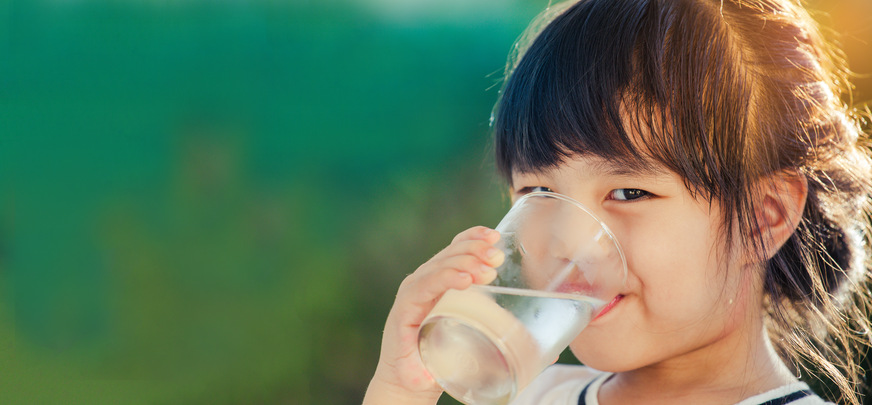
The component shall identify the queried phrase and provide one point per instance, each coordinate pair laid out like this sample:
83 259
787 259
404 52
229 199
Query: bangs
602 79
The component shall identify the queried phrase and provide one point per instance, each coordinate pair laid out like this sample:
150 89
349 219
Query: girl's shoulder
559 384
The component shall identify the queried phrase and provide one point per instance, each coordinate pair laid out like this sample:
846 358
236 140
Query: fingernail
487 269
493 253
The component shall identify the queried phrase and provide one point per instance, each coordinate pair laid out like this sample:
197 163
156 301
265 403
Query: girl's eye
628 194
527 190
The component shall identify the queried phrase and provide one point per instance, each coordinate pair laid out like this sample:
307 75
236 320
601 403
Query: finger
446 279
416 298
480 271
478 232
484 250
424 287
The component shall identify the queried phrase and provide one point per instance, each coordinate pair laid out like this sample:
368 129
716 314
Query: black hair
726 93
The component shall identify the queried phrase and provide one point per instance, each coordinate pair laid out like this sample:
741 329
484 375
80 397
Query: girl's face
683 292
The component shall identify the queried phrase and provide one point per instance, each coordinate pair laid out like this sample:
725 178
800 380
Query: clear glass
563 265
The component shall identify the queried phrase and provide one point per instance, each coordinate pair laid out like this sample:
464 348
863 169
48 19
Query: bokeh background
214 201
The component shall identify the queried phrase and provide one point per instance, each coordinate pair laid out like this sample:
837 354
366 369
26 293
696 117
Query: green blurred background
213 202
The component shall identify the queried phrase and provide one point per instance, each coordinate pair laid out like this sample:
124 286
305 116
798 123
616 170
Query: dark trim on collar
581 400
793 396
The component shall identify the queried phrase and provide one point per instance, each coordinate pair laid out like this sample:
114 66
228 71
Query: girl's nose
585 260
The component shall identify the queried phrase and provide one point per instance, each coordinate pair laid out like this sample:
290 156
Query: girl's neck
734 368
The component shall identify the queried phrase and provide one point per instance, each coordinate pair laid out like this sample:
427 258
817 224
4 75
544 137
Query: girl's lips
609 306
575 288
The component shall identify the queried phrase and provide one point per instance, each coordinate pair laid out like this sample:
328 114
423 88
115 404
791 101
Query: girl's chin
611 362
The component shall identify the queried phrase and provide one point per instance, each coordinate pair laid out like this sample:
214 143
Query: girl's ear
779 209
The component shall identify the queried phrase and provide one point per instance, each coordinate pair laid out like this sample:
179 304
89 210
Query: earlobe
779 209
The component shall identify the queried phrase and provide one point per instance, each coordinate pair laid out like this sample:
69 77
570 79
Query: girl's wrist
383 392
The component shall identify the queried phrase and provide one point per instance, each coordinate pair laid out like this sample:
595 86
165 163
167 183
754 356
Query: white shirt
562 384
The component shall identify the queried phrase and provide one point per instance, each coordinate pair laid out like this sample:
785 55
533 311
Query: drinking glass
563 265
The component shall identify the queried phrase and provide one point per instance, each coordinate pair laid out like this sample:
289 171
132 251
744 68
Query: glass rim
563 197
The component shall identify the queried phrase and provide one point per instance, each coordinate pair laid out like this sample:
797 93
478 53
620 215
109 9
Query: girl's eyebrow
620 169
611 168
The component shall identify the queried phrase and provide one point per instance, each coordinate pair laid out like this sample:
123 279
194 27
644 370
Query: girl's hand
400 377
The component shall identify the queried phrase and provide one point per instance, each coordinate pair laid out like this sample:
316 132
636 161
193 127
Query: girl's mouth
575 288
609 306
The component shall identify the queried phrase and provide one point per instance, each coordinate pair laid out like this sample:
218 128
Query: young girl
710 136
